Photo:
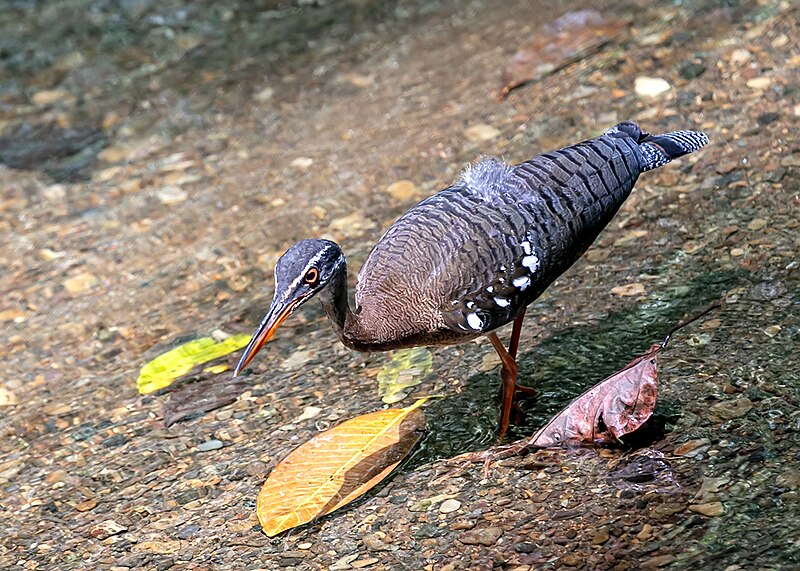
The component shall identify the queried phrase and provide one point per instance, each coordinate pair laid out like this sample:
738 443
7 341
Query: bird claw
463 461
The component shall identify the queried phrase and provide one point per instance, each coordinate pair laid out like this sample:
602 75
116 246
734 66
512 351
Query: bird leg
508 374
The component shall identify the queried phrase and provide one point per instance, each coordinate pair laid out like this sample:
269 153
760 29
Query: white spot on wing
490 289
470 304
531 262
522 282
474 321
526 247
501 301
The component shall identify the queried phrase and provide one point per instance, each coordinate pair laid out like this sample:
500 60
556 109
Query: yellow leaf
337 466
406 369
164 369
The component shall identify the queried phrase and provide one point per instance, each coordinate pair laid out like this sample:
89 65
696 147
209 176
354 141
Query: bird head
302 272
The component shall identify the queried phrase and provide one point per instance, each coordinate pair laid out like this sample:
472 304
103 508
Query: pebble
757 224
106 529
650 86
264 95
160 547
361 563
12 315
51 96
730 409
628 290
487 536
7 398
172 195
302 163
308 413
374 543
80 283
481 133
401 190
209 445
711 509
600 537
449 506
658 561
759 83
645 533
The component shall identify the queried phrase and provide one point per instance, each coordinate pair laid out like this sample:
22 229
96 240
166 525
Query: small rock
302 163
628 290
692 70
361 563
658 561
766 118
727 410
171 195
296 360
757 224
308 413
264 95
711 509
209 445
481 133
86 505
80 283
772 330
650 86
449 506
647 530
487 536
740 56
161 547
401 190
14 315
374 543
353 226
114 154
7 398
759 83
600 537
106 529
358 80
51 96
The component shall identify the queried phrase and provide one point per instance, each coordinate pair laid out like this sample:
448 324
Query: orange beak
276 315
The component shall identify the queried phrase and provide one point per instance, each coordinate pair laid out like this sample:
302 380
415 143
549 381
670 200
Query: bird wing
472 256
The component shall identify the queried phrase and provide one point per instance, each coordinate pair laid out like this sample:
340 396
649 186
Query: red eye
312 276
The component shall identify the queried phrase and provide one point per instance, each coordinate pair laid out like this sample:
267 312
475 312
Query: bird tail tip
658 150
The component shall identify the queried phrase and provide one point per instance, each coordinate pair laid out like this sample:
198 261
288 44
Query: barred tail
658 150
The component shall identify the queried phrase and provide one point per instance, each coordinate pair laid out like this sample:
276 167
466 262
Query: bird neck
335 303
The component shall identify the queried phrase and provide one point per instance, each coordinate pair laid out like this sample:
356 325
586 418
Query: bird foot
464 461
530 391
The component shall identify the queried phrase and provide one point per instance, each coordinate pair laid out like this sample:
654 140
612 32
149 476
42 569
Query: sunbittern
470 258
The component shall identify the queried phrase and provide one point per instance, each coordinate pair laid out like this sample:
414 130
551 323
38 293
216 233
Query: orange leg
509 372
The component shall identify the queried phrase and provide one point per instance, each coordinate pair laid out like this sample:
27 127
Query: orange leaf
337 466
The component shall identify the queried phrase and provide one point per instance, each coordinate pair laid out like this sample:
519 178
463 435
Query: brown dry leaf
337 466
614 407
566 40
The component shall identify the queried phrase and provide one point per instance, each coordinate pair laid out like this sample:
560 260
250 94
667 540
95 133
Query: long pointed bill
275 316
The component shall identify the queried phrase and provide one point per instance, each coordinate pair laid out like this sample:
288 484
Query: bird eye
312 276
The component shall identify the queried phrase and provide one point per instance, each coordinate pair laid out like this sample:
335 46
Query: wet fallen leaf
337 466
616 406
164 369
406 369
197 398
566 40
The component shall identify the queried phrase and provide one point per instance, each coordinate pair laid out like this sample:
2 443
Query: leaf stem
682 324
